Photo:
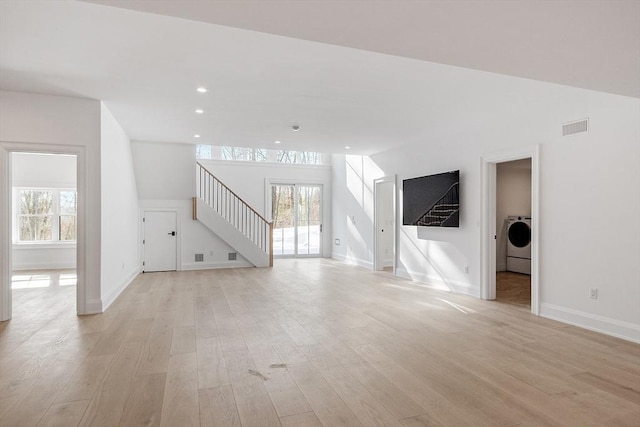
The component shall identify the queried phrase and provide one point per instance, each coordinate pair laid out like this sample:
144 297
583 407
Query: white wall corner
605 325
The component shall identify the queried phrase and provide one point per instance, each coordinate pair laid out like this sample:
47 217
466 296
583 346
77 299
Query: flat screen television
432 201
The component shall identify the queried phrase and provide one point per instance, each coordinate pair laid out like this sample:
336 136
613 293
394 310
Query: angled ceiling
370 75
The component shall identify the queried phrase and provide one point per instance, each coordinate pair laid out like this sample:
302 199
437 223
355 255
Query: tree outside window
46 215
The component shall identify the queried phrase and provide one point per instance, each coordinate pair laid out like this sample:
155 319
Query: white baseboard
353 261
617 328
109 299
437 282
93 306
214 265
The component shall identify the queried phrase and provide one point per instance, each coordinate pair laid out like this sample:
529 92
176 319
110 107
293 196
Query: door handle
172 233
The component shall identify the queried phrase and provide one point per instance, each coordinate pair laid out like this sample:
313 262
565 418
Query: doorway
296 211
513 232
43 212
67 223
384 224
160 241
491 221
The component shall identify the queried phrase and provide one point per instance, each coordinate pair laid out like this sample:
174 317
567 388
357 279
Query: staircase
232 219
443 209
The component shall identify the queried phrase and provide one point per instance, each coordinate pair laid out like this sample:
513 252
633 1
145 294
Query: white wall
581 245
40 122
249 180
513 197
119 260
48 171
352 208
165 176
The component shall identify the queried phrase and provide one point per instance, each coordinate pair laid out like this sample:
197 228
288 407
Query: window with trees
46 215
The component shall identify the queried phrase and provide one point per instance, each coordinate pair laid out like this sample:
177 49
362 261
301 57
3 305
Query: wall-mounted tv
432 201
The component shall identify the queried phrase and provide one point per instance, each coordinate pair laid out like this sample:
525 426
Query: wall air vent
199 257
575 127
233 256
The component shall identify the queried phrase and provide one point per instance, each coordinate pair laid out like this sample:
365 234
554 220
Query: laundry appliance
519 244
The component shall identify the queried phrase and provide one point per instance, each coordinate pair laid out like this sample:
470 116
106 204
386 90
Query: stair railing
236 211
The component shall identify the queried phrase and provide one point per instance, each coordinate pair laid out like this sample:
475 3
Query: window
259 155
203 151
45 215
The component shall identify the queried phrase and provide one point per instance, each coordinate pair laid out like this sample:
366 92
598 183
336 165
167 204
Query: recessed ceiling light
196 136
199 111
202 89
276 142
347 147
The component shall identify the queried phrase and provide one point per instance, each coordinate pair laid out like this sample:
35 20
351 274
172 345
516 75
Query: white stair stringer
230 234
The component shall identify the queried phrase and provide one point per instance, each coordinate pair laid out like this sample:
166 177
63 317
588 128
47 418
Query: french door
296 210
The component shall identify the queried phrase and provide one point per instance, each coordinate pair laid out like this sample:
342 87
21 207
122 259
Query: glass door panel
283 214
308 224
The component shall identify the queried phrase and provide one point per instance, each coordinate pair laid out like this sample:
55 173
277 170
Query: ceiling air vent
575 127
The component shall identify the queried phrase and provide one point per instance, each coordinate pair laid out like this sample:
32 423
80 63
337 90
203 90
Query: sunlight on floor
26 280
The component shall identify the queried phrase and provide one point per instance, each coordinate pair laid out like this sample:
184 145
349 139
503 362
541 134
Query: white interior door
160 241
384 218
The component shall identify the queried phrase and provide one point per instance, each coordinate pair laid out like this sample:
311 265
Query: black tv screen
432 201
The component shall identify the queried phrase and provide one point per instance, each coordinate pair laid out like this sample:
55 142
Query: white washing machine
519 244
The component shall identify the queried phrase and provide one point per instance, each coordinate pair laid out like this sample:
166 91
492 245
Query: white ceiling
364 74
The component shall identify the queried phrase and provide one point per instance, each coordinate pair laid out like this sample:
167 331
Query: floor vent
575 127
199 257
233 256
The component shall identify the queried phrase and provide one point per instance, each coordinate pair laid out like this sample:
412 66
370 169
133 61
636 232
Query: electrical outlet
466 269
337 242
593 293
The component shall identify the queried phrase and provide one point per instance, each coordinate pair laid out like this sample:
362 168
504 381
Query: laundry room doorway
509 228
513 232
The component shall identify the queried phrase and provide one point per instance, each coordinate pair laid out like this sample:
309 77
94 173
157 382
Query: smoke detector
295 127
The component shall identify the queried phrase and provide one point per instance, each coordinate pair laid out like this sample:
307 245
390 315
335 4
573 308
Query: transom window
46 215
258 155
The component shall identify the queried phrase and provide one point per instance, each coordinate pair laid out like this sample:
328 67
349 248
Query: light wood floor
307 343
513 288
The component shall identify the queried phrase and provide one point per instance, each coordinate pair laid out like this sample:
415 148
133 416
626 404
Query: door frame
488 167
376 219
297 182
6 219
178 232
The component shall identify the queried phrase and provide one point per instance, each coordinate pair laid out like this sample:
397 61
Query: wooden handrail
234 210
233 192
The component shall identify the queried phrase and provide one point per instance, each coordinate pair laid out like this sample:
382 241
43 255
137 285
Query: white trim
386 179
114 294
6 220
213 265
593 322
437 282
488 220
44 266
